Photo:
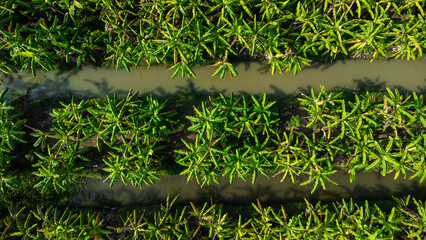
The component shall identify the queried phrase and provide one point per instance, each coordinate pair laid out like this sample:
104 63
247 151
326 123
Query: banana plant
275 61
10 130
254 31
319 106
174 46
15 228
236 33
208 122
337 29
396 113
384 157
132 225
419 168
112 119
318 175
420 110
165 224
67 225
58 169
151 121
236 164
224 9
407 156
407 37
265 115
358 155
342 119
262 225
244 121
202 161
370 39
318 163
364 120
10 133
224 67
73 118
204 41
211 219
132 164
289 156
63 158
259 158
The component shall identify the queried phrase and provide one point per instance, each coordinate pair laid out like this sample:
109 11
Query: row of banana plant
185 33
362 134
234 137
128 131
405 219
131 138
366 134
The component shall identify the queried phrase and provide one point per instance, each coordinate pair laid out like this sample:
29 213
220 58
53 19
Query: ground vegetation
182 34
135 139
402 218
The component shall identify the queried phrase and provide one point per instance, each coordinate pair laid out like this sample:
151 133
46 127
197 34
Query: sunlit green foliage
404 218
185 33
130 129
370 135
240 138
233 139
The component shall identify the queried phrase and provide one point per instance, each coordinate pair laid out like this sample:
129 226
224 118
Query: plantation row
185 33
134 139
340 220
